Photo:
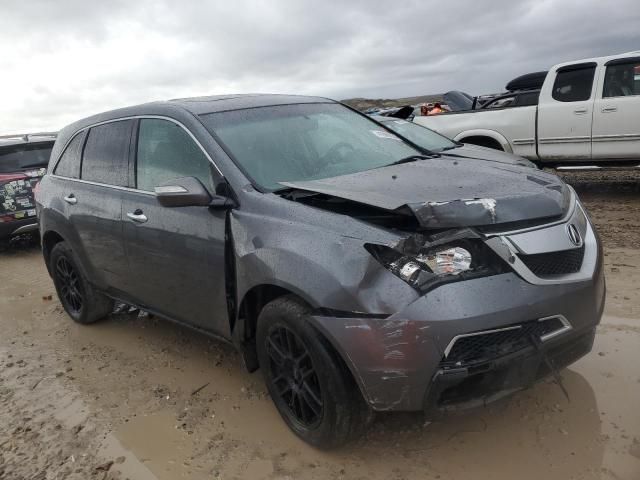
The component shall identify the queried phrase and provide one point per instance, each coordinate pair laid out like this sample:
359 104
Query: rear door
176 255
94 201
565 112
616 116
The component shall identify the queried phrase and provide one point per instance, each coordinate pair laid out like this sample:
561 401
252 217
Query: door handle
580 111
137 216
609 109
71 199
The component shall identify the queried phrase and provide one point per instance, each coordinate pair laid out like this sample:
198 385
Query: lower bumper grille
475 388
554 263
478 347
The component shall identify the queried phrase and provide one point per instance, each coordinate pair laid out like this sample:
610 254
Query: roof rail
27 136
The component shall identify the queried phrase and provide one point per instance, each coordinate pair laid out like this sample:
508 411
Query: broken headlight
444 263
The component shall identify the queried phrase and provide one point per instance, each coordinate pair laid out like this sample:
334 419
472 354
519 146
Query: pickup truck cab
588 112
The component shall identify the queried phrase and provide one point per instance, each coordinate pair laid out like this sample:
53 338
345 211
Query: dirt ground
139 398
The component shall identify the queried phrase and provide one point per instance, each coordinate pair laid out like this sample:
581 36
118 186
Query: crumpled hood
451 192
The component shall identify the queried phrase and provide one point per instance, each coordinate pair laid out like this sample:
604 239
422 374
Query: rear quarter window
69 163
527 99
21 157
105 157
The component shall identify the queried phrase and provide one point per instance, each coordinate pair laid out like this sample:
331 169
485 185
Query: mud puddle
139 398
537 434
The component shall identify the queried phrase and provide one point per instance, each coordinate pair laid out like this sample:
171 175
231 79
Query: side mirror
183 192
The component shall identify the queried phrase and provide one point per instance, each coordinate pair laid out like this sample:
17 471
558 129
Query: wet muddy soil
139 398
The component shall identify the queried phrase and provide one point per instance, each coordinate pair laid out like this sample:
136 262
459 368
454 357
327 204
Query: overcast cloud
65 59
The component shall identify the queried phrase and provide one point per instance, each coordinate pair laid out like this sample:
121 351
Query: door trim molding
621 137
575 139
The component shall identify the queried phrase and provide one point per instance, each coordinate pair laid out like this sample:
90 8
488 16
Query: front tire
82 302
309 383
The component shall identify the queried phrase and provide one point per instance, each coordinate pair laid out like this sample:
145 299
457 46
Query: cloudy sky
65 59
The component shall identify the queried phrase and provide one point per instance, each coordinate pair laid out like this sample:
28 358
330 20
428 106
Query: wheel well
483 141
49 240
244 332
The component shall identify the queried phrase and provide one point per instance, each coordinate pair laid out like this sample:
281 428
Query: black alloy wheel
80 299
308 381
71 291
294 376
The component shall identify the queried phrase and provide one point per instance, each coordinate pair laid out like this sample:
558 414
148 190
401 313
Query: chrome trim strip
595 167
508 251
523 141
25 228
447 350
576 139
616 138
133 117
115 187
566 326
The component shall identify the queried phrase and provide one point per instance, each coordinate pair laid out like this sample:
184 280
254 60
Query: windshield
421 136
287 143
24 156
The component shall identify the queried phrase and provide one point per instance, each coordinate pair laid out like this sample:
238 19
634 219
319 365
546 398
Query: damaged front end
426 261
514 296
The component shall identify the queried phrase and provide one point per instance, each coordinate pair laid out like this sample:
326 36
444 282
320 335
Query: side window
166 152
573 83
622 80
69 163
527 99
105 158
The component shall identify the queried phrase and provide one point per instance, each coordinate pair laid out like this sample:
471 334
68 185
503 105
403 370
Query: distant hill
366 103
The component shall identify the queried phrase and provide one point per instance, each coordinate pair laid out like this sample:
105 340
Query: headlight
442 264
451 261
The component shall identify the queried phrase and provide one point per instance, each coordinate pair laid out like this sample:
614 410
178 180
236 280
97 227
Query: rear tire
82 302
309 383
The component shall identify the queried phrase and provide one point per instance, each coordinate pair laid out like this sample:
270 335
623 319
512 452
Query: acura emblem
574 235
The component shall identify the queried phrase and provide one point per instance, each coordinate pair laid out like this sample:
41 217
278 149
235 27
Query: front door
176 255
565 114
616 116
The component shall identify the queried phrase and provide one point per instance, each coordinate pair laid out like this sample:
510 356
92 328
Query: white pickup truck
588 113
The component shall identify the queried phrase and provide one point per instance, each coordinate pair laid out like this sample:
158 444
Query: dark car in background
357 269
23 162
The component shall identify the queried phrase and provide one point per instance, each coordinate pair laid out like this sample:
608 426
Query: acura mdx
359 270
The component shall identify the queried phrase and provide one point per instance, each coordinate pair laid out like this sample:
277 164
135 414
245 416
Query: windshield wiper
451 147
412 158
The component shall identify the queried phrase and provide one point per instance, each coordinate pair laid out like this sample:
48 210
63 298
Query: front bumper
489 381
399 361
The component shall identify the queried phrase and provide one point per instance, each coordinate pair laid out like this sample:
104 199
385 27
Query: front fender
325 269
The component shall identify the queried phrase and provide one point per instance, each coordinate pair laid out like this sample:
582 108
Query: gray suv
359 270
